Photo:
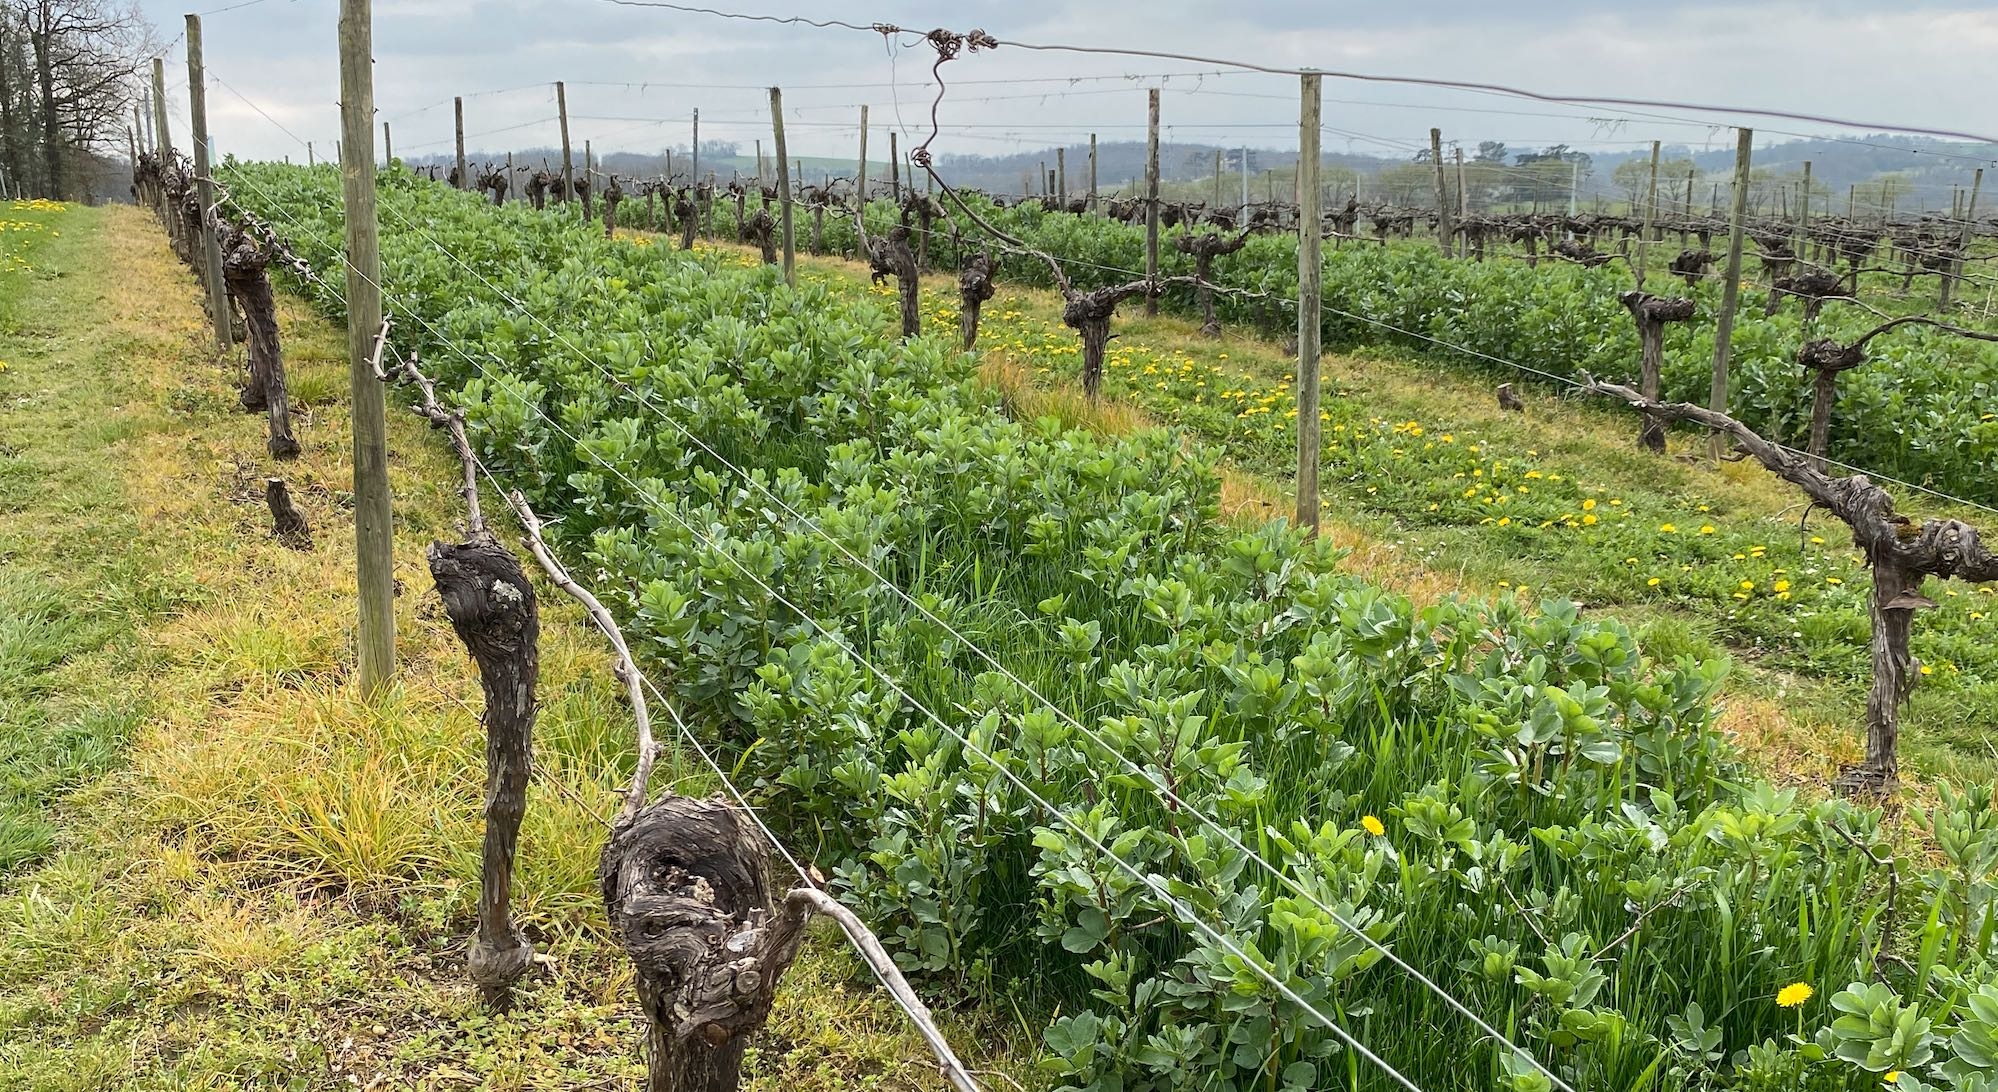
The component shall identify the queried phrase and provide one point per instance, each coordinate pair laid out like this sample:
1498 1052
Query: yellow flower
1589 521
1651 583
1372 826
1666 528
1927 670
1892 1076
1748 585
1589 505
1706 528
1781 585
1794 994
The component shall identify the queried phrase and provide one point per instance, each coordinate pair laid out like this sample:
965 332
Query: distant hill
1872 172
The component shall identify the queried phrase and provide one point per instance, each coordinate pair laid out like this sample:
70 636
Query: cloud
634 75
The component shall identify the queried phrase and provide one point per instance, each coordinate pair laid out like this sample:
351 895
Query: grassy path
218 869
1436 490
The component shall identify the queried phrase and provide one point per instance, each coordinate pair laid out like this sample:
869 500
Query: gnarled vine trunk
1900 552
1652 313
686 887
974 287
245 272
491 606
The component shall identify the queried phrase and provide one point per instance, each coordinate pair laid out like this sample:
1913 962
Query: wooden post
1463 191
1444 238
894 167
1954 268
783 184
1803 215
1686 214
373 533
507 191
1217 178
1092 170
1650 214
458 114
144 111
211 250
1730 289
310 159
759 162
860 185
139 131
694 175
1061 175
589 194
164 139
388 148
568 165
1310 220
1152 197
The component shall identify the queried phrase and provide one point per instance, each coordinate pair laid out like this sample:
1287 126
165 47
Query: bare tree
83 60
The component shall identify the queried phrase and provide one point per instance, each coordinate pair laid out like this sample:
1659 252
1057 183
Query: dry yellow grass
283 872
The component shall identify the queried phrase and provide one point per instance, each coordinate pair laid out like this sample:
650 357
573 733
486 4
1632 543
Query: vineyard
1904 413
1516 800
1089 638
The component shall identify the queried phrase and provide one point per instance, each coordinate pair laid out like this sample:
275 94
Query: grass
218 867
1394 494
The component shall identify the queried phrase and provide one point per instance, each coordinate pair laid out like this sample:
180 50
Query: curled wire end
921 158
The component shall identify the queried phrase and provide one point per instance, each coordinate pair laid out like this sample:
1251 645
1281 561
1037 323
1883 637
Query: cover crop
1515 801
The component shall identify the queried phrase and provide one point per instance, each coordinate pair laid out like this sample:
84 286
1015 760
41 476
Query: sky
634 75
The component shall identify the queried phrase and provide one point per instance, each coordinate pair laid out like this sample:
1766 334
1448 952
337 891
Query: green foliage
1924 409
1572 850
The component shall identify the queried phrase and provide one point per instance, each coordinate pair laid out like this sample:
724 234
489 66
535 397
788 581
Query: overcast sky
1908 62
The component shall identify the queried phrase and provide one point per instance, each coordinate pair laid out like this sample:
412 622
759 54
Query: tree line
70 71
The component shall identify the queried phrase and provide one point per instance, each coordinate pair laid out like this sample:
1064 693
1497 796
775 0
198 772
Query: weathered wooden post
1953 268
1644 233
860 176
1152 197
204 186
894 168
568 165
1443 235
1463 194
373 532
1309 239
783 186
1092 171
163 134
1717 399
464 181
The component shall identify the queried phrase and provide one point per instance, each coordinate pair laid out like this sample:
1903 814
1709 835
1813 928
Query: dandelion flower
1589 505
1794 994
1666 529
1372 826
1706 528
